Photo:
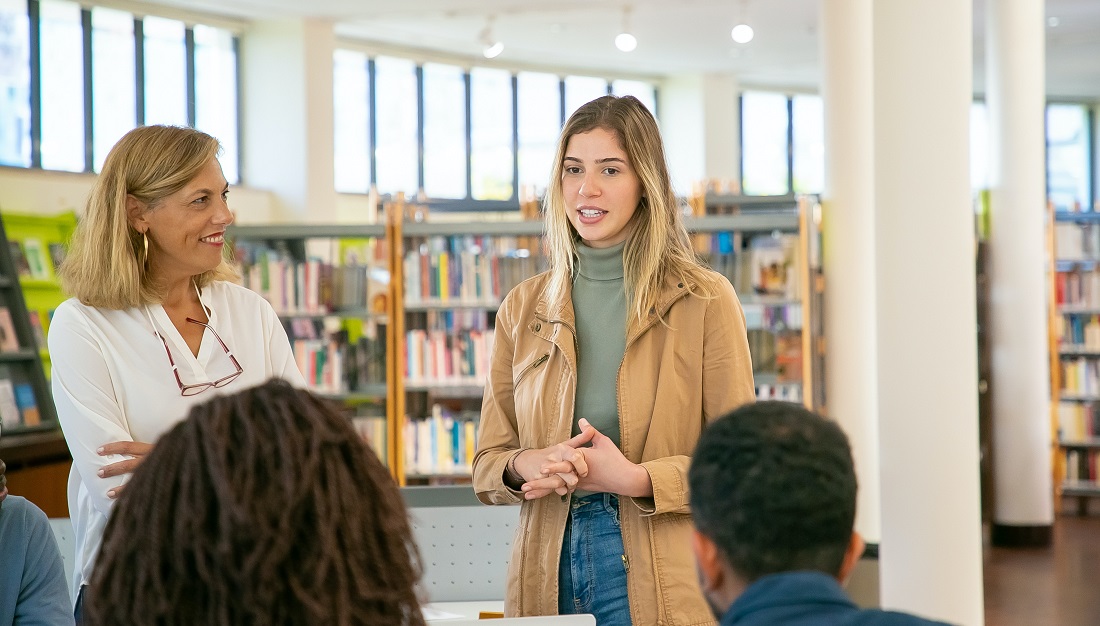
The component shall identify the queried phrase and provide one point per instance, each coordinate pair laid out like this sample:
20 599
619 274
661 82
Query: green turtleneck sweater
599 303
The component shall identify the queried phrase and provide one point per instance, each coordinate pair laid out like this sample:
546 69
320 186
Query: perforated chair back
62 528
465 550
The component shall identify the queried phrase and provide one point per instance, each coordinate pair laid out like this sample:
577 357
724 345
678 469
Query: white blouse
112 381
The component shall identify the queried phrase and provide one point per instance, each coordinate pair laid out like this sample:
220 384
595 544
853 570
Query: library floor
1055 586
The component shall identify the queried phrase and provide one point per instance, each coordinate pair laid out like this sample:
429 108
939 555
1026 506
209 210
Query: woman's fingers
130 448
119 468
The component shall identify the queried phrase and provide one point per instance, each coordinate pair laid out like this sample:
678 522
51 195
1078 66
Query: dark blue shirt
807 599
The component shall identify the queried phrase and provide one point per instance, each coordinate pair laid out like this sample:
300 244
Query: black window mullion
790 144
610 89
656 103
189 55
372 123
420 127
89 139
469 136
139 71
515 137
561 100
35 25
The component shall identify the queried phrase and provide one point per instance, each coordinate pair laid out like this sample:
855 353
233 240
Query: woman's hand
567 466
134 449
609 471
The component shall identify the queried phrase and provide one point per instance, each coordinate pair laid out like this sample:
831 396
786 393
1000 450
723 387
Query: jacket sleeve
727 384
498 434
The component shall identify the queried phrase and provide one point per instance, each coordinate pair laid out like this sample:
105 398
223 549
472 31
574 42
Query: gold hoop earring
145 256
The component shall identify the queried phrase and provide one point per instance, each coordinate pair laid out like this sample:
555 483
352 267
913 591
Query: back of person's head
658 243
105 263
773 486
262 507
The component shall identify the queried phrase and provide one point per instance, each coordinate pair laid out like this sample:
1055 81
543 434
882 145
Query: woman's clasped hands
589 461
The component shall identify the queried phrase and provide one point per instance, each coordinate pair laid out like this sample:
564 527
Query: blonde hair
105 266
658 245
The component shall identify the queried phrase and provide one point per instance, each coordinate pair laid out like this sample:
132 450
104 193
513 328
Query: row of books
29 257
777 353
18 405
1078 288
439 357
467 269
442 443
315 285
772 316
1076 242
1074 469
766 266
1080 377
372 429
1078 421
1080 331
9 339
347 356
790 392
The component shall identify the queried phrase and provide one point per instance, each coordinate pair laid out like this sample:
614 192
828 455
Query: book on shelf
1081 465
27 404
36 258
1080 376
9 341
1077 288
19 259
37 330
442 443
789 392
338 355
10 416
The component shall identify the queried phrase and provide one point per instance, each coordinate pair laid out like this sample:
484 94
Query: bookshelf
37 244
26 406
769 249
1074 243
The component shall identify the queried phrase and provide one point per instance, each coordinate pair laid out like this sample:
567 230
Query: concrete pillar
1020 383
287 115
931 559
848 250
700 125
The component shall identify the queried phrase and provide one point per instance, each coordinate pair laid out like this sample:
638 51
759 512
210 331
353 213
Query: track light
491 47
742 33
626 41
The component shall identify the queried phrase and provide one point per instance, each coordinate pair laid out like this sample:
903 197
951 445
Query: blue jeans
592 568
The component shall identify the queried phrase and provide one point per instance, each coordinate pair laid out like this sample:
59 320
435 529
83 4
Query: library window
61 42
491 157
582 89
979 147
165 75
351 122
1068 161
643 91
765 123
15 84
808 126
395 155
114 80
444 131
216 93
539 121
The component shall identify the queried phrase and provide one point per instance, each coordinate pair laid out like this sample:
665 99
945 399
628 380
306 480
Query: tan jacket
672 381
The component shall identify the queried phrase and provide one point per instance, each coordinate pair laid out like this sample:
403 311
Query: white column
700 125
1020 383
848 232
931 559
287 115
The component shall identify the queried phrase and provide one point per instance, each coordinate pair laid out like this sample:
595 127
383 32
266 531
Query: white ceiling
674 37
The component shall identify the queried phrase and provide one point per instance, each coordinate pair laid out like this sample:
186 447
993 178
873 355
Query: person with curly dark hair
262 507
773 497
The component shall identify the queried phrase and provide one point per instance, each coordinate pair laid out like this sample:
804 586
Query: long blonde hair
105 266
658 245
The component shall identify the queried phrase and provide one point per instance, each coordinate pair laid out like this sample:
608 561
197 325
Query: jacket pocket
531 367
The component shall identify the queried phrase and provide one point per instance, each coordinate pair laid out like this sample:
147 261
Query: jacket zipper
542 359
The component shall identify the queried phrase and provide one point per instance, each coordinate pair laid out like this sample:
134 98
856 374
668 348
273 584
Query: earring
145 256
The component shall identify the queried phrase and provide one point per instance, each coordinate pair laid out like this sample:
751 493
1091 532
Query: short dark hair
773 485
262 507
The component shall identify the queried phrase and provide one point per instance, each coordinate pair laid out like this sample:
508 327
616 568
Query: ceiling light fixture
625 41
742 33
491 47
